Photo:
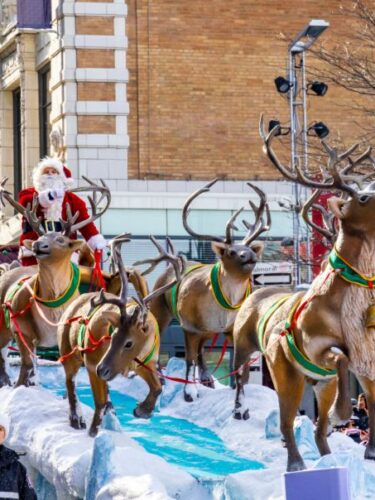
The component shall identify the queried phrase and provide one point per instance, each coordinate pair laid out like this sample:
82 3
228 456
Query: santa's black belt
50 226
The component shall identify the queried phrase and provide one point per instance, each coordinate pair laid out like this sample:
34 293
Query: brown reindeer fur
111 356
200 315
335 317
53 275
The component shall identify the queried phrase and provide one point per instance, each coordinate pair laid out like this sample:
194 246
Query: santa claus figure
51 180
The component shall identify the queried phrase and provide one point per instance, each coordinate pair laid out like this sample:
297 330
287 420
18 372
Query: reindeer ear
336 206
28 244
145 328
257 247
75 245
218 248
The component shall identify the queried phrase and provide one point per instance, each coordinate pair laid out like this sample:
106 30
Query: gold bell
370 316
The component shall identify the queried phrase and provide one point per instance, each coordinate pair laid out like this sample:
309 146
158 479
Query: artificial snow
67 464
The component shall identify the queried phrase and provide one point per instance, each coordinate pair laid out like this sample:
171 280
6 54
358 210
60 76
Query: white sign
273 273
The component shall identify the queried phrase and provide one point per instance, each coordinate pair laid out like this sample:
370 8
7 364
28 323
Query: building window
44 111
17 141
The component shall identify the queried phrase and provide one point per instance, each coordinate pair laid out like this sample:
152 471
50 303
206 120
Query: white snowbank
65 458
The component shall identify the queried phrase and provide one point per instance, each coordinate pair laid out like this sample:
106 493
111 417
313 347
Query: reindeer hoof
207 380
238 415
93 431
188 398
77 422
4 381
140 412
296 466
109 408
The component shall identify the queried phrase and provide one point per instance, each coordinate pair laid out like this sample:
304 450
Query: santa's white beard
49 182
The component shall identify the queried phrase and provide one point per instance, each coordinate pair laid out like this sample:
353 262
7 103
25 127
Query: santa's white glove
49 196
97 242
57 194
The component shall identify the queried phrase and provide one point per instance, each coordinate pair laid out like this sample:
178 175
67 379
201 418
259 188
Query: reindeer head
355 211
134 326
237 258
53 247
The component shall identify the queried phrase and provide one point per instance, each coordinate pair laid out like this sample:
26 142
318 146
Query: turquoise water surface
196 449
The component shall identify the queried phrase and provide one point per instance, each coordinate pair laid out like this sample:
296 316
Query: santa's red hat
67 172
56 164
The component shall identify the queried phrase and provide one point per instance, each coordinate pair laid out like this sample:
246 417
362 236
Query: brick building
155 97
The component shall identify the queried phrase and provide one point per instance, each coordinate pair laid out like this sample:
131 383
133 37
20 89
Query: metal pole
294 158
305 157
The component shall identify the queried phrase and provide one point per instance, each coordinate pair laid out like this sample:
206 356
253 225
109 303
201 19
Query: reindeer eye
363 199
232 253
128 344
60 240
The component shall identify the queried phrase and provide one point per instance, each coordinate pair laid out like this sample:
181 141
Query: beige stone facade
85 55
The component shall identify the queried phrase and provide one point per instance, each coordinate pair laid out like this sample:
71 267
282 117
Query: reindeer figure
320 335
117 336
209 296
34 305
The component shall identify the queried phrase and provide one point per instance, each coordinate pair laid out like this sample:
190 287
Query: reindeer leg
27 371
100 391
160 310
243 349
342 408
325 392
369 388
191 343
145 409
289 384
204 375
71 367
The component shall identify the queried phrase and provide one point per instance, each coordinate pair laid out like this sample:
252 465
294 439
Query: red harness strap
184 381
95 343
17 327
223 350
97 277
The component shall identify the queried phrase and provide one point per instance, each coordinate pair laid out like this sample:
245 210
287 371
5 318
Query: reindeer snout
248 256
40 246
103 372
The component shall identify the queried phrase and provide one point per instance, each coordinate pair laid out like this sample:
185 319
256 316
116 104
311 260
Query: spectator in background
361 411
351 429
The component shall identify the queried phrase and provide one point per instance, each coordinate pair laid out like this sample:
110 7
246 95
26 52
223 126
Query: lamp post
297 94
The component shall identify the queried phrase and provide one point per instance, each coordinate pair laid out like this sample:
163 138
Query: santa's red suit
53 201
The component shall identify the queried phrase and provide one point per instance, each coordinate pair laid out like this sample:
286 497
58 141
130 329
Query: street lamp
297 95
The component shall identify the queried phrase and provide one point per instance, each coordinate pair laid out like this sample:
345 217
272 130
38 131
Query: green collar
111 329
348 273
218 293
69 292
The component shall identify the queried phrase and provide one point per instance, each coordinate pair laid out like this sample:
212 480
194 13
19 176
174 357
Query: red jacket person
51 180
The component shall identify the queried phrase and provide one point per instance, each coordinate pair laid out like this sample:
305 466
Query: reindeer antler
334 180
254 230
186 211
120 301
31 217
206 237
329 231
163 256
7 196
69 225
29 212
113 244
